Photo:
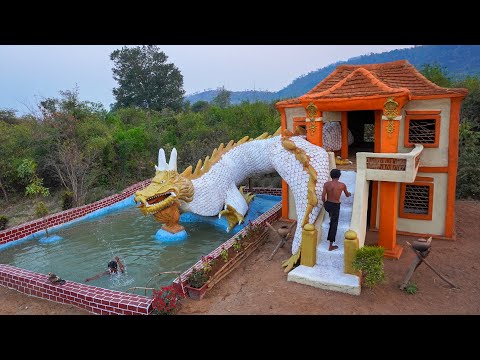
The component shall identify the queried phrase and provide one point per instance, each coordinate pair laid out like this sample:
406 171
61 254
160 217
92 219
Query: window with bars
368 132
416 200
422 127
421 131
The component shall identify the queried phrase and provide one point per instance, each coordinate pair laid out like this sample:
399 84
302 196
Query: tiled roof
387 79
358 83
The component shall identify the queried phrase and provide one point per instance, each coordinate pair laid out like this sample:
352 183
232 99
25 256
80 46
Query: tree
200 106
8 115
471 104
77 137
468 177
27 171
73 167
16 143
436 74
223 98
145 79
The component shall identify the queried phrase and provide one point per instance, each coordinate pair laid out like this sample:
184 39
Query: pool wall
94 299
91 298
270 216
38 225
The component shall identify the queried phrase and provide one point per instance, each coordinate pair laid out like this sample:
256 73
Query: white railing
393 167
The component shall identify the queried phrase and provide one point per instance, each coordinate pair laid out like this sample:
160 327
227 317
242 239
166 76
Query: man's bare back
332 190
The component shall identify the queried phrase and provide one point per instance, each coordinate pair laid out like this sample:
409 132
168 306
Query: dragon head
166 188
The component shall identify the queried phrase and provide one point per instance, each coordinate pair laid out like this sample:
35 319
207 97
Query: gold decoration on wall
390 111
312 113
390 127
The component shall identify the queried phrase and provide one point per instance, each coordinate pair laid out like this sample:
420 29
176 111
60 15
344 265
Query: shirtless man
332 190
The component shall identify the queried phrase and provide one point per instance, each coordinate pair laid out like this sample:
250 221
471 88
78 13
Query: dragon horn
172 164
162 162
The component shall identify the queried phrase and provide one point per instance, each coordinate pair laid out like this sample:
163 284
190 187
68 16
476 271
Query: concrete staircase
328 272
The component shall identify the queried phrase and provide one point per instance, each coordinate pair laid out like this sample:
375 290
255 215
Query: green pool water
87 246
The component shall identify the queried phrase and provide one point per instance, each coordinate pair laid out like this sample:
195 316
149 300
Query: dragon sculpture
211 189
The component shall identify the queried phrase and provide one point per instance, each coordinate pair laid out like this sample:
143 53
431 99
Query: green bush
224 254
67 200
3 222
468 177
41 209
411 288
197 278
369 261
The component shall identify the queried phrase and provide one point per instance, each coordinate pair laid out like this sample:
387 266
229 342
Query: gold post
309 245
350 247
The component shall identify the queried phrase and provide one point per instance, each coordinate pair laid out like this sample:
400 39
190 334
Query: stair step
327 278
328 272
331 258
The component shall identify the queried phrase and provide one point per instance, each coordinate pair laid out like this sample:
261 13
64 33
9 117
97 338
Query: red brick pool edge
91 298
94 299
269 216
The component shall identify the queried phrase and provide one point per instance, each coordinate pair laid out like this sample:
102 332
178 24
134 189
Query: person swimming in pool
112 269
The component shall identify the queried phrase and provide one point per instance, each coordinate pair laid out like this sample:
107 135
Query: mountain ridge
458 61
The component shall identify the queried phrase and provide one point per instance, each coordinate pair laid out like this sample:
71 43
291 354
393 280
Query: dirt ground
259 286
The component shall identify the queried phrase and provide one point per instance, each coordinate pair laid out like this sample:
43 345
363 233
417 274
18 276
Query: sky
29 73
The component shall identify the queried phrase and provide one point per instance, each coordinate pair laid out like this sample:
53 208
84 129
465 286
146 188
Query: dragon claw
290 263
232 215
248 196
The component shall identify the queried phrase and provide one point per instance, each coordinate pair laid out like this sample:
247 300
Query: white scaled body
217 188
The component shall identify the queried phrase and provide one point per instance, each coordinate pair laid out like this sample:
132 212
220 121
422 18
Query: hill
458 60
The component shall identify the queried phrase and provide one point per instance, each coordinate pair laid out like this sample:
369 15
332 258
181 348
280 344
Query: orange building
405 150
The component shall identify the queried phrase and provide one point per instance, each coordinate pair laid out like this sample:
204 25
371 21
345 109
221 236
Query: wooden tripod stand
421 248
282 237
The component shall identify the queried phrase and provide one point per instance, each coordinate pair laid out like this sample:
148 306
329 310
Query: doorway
361 124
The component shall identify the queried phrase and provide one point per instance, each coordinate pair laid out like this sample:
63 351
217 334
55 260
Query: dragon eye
161 182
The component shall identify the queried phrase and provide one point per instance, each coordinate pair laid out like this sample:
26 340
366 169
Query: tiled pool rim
94 299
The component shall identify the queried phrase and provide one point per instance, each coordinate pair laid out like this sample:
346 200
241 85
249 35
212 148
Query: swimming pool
88 245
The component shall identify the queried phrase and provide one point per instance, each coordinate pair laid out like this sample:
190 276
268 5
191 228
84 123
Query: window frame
300 121
422 115
405 215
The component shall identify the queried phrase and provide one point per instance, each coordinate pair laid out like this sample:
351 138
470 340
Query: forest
457 60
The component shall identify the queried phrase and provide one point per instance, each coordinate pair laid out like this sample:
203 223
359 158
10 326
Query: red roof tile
358 83
387 79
